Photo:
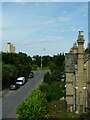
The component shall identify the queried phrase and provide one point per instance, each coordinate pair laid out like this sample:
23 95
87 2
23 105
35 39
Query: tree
15 65
47 78
52 66
52 91
33 107
37 60
9 74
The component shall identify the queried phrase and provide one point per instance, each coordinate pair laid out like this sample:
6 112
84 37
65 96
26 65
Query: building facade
77 66
10 48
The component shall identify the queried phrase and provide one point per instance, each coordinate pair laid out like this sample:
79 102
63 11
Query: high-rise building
10 48
77 65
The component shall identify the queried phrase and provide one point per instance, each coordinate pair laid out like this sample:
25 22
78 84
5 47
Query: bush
33 107
44 87
52 91
9 74
55 76
47 78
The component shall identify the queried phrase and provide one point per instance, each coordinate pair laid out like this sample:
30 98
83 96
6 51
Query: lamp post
41 62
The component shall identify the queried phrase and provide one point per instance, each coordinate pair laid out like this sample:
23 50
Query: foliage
46 60
55 76
47 78
33 107
52 91
9 74
15 65
23 64
37 60
52 66
53 86
59 60
54 62
34 67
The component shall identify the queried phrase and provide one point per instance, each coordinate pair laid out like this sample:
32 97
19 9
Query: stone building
10 48
77 67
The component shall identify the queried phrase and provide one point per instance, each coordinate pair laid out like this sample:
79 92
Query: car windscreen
19 81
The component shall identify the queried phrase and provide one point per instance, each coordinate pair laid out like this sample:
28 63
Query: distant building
10 48
77 67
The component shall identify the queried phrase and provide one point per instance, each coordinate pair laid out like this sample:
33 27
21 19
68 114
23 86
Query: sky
43 28
44 0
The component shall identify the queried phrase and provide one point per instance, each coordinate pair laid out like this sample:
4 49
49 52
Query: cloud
64 19
49 22
73 29
51 39
59 30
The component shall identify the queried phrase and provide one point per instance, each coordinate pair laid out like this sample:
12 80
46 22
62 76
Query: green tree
15 64
9 74
37 60
33 107
47 78
52 66
52 91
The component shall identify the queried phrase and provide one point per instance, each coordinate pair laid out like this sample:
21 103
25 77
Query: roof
70 61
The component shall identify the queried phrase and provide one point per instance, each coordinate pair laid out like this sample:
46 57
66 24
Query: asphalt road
12 99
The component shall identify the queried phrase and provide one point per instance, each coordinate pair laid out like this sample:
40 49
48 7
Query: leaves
15 65
33 107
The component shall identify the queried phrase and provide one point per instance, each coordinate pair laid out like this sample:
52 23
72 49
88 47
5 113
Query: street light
41 62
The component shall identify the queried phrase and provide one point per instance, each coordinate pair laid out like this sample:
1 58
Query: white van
20 80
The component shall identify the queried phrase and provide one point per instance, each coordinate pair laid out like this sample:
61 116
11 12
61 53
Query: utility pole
41 62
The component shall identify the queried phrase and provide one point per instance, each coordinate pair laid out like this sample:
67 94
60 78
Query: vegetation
9 74
14 65
53 91
33 107
55 62
53 86
19 64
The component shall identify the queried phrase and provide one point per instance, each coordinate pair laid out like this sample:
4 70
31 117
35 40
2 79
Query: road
12 99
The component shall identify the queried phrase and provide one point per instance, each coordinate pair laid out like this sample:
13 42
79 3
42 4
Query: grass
57 110
43 68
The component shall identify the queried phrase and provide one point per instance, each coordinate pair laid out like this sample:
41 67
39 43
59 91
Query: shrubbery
53 91
9 75
33 107
55 76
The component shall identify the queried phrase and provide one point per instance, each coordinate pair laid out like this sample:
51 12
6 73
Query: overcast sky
43 28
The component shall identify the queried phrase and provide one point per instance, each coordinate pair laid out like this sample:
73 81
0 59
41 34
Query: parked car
14 86
31 75
20 80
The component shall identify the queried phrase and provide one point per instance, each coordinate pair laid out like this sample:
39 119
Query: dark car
14 86
31 75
